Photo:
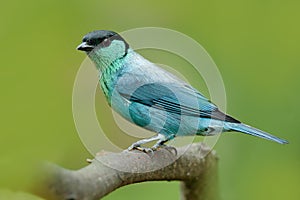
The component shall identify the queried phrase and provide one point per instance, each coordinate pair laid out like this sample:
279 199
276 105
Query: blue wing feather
177 100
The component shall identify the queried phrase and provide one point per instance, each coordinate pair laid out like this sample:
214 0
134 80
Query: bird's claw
151 150
132 147
154 148
171 149
145 149
167 147
139 148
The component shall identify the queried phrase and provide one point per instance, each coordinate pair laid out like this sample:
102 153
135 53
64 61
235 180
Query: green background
255 45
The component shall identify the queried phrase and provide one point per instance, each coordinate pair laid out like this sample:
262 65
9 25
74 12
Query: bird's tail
240 127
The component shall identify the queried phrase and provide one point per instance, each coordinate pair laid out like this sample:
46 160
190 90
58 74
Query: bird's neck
109 71
105 60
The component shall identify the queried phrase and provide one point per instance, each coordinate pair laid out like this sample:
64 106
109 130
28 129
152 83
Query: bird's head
103 46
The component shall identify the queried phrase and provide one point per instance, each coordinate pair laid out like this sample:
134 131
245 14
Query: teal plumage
153 98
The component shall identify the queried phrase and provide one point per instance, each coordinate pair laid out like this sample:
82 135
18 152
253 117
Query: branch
194 165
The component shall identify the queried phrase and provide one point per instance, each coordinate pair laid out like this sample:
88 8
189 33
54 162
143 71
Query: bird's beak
85 47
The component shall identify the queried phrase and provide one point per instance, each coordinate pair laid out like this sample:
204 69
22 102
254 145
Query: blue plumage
153 98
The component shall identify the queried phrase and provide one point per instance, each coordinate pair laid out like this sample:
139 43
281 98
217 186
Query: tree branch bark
194 165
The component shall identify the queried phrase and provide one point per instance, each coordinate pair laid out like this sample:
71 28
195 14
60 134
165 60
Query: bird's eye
106 42
88 41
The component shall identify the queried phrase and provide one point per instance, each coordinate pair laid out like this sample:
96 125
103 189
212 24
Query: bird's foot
145 149
159 144
139 148
167 147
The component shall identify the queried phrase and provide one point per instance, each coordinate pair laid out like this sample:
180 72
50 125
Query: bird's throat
108 77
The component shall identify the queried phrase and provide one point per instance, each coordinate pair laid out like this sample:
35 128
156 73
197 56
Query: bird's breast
108 80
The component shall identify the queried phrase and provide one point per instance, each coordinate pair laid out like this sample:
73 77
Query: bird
153 98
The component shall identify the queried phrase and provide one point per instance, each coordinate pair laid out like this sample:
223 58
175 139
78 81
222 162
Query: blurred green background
255 44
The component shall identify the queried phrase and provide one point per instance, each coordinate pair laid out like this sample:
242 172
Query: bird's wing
174 98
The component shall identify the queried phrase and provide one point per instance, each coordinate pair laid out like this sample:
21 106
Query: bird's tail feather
255 132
